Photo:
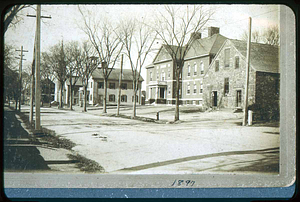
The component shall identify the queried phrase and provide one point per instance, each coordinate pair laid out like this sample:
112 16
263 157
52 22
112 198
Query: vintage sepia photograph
174 96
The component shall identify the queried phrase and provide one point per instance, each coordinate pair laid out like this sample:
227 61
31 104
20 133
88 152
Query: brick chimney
212 30
196 35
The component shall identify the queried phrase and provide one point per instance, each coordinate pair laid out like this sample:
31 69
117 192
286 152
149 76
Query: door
238 98
215 98
162 93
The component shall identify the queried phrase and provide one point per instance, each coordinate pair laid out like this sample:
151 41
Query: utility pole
20 75
247 74
37 67
120 82
32 90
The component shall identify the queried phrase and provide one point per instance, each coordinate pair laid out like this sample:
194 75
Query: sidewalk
24 152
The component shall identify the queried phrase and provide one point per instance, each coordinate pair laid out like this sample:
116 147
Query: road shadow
269 162
19 154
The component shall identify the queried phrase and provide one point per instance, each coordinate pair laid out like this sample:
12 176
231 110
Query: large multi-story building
160 83
214 74
225 80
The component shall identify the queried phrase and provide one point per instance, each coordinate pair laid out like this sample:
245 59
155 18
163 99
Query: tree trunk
177 95
119 97
49 94
85 98
16 102
134 105
61 97
105 95
134 99
71 94
120 82
31 97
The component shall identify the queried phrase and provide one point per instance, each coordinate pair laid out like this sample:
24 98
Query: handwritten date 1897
179 183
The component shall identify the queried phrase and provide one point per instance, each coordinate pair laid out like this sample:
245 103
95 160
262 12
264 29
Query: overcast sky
65 19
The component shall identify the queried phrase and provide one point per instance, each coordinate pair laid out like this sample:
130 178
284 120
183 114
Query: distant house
224 81
66 91
161 82
96 87
48 90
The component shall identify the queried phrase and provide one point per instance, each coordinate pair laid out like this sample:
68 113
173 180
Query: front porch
158 94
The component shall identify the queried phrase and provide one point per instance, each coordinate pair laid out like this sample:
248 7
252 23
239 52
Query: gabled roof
263 57
205 46
115 74
161 51
149 66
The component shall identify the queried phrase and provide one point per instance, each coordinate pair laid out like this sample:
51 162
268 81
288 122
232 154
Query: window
188 89
112 86
169 73
226 86
227 57
189 70
124 86
157 75
201 87
195 88
237 62
101 85
195 69
124 98
112 98
150 76
201 68
169 89
216 65
163 74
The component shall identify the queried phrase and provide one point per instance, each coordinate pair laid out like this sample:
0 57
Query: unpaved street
202 142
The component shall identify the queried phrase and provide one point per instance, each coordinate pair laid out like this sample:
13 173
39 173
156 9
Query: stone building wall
214 80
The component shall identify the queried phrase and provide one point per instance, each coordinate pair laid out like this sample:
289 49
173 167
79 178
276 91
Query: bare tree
271 35
87 63
255 36
137 39
47 74
11 81
11 17
26 80
103 37
73 54
174 26
57 59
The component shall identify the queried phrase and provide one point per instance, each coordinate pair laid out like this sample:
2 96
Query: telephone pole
247 74
20 75
37 68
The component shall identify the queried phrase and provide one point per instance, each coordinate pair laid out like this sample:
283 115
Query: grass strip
85 164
